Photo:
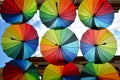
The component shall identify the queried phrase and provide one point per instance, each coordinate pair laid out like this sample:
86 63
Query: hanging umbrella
96 14
64 72
59 46
57 14
20 70
20 41
98 46
104 71
18 11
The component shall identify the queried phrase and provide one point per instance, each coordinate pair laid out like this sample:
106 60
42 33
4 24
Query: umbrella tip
12 38
104 43
17 39
93 15
100 44
58 45
95 45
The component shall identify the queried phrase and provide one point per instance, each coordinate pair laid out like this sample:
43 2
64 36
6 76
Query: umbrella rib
83 5
97 58
65 36
57 55
52 6
92 39
45 37
64 22
101 36
86 39
53 37
66 54
21 53
110 48
49 41
93 21
53 71
105 55
65 6
71 39
29 31
49 49
96 36
91 68
100 23
98 9
17 6
58 39
94 25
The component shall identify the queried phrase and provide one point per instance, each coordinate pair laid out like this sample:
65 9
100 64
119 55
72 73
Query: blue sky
77 27
3 56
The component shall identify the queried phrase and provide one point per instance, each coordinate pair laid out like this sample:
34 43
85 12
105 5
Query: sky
77 27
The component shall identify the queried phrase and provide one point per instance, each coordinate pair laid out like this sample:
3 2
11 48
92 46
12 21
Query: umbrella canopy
96 14
20 70
98 46
104 71
59 46
20 41
57 14
18 11
64 72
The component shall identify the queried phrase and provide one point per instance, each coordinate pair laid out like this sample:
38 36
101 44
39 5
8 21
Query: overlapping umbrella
20 70
104 71
18 11
59 46
98 46
57 14
20 41
64 72
96 14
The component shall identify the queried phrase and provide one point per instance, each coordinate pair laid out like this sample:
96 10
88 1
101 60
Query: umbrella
20 41
104 71
96 14
63 72
59 47
20 70
18 11
57 14
98 46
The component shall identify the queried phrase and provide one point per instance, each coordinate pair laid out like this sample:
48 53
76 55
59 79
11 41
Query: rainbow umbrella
59 46
98 46
20 70
18 11
57 14
96 14
20 41
64 72
104 71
